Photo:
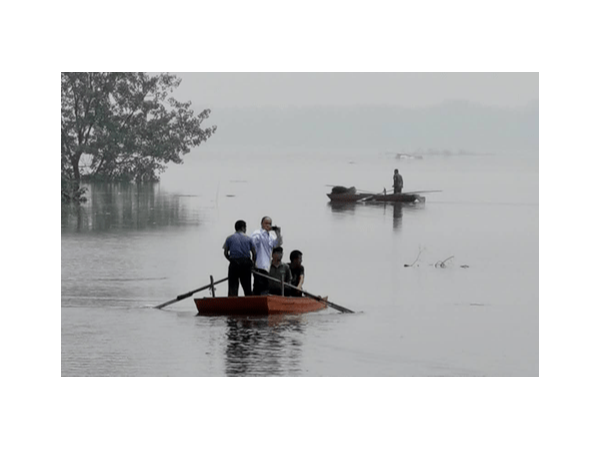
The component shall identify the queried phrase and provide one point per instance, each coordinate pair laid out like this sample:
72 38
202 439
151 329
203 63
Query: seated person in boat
279 269
398 182
297 270
240 251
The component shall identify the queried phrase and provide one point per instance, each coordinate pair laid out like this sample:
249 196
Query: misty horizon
458 125
534 102
402 89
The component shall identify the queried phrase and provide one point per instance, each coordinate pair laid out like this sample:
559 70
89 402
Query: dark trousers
240 272
261 284
397 190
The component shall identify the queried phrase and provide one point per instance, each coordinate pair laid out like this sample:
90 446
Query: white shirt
264 243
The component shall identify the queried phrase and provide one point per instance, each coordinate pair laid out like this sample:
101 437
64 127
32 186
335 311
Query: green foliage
124 126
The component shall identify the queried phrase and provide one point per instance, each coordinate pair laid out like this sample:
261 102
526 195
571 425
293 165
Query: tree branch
442 264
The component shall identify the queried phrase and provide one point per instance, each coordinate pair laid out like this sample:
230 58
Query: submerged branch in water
442 264
416 259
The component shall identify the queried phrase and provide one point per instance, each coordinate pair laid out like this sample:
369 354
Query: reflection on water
126 205
397 213
263 346
343 207
349 208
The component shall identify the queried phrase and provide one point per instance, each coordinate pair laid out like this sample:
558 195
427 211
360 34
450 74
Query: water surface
132 247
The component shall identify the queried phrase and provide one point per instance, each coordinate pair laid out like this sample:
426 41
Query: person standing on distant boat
398 182
264 243
240 251
297 270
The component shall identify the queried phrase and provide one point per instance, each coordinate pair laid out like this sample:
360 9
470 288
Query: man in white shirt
265 243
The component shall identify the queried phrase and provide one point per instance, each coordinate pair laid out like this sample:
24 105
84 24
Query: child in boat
297 270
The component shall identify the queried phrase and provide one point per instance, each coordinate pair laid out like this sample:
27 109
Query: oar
364 199
189 294
308 294
419 192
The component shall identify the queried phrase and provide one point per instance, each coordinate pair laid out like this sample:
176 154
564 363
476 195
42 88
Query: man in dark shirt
279 269
297 270
398 182
241 254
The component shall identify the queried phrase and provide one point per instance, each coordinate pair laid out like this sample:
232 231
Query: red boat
257 305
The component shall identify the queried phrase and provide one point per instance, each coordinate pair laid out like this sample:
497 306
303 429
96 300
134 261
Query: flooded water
130 248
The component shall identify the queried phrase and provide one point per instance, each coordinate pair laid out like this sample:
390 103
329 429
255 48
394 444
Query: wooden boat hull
257 305
395 198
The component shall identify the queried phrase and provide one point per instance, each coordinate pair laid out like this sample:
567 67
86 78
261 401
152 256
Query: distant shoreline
456 125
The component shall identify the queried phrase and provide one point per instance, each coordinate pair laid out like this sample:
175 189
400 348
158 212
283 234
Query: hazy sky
210 90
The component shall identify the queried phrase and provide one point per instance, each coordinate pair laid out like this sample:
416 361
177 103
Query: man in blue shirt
240 251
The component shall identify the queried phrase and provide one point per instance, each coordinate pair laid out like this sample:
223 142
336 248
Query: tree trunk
76 174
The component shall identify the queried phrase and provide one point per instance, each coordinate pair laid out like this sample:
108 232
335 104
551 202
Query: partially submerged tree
123 126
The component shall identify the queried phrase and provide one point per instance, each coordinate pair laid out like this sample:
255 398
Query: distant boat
394 198
408 156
